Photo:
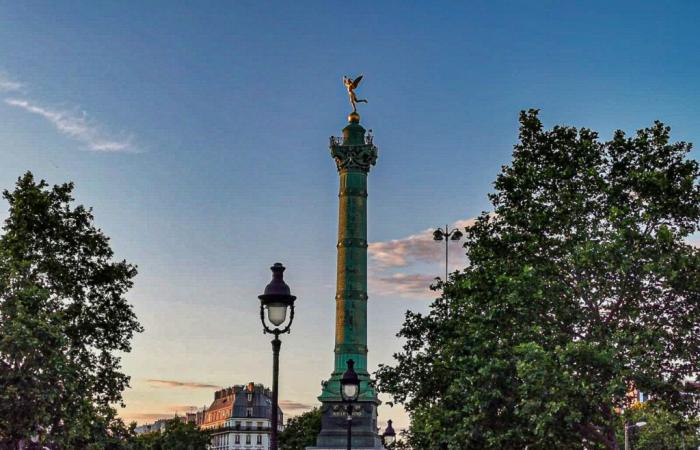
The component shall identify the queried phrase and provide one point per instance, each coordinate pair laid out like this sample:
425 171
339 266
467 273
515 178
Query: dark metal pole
276 344
349 426
447 240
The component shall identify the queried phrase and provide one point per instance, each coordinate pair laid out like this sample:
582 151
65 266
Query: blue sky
198 132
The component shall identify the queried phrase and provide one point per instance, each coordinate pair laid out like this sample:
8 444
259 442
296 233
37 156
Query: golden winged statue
351 85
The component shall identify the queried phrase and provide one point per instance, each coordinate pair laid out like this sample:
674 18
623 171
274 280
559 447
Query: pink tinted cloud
181 384
404 285
413 250
416 248
291 405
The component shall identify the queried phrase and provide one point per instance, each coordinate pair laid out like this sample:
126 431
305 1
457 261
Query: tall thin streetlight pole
447 235
276 299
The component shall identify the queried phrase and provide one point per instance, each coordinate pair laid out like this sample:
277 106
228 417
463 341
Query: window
237 439
238 424
250 397
247 439
259 439
249 412
260 425
249 425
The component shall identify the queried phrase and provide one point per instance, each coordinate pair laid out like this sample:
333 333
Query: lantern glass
389 439
277 313
350 391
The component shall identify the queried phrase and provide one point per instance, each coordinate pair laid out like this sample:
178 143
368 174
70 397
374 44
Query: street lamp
389 435
276 300
629 426
349 392
447 235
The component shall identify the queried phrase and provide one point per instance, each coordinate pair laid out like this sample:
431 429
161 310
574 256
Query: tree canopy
581 285
63 320
177 435
301 431
661 428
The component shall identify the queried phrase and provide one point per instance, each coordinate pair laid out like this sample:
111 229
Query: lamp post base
334 425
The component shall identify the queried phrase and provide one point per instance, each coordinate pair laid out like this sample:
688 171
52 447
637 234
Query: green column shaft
351 281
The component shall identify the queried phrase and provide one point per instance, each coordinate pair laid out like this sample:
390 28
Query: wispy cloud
183 408
405 285
414 255
416 248
9 85
290 405
181 384
76 125
149 417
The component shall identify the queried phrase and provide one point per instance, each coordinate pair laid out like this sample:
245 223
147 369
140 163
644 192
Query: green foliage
63 320
301 431
399 444
177 436
580 283
663 429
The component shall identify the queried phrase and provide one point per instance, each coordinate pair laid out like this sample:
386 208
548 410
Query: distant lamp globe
350 383
389 433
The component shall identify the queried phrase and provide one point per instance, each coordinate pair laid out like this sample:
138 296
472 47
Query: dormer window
250 397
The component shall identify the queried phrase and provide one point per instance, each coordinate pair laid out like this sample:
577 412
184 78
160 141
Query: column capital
354 157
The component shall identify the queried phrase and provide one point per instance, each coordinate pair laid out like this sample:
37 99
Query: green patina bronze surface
354 154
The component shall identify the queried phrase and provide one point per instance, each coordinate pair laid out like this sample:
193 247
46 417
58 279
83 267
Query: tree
580 285
301 431
183 436
399 444
177 435
63 319
663 430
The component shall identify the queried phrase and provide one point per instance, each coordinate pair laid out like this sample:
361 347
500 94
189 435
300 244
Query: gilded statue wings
356 82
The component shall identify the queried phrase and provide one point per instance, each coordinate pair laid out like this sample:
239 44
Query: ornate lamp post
349 392
389 435
276 300
447 235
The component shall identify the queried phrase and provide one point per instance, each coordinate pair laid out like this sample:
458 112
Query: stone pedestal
334 427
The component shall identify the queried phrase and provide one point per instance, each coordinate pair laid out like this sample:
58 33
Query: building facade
157 426
239 418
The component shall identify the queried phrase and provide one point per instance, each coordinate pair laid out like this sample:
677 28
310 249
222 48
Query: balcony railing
340 140
254 428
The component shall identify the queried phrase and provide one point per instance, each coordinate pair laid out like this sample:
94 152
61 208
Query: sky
198 132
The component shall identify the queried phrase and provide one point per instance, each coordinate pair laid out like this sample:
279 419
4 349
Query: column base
334 431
